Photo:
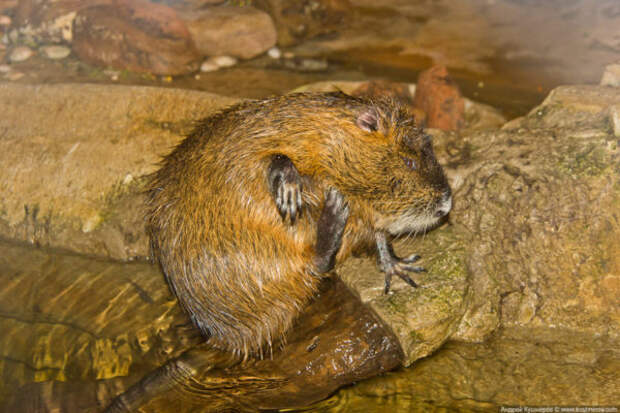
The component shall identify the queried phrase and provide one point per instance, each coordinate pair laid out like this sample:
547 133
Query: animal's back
239 271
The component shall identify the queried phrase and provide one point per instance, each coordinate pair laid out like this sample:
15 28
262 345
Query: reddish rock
439 97
243 32
136 35
396 91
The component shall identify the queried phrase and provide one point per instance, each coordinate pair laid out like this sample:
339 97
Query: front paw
330 229
401 268
286 187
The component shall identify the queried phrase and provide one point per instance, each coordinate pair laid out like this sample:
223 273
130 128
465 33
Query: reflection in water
81 327
74 330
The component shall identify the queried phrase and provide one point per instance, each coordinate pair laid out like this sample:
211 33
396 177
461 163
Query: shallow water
64 344
516 367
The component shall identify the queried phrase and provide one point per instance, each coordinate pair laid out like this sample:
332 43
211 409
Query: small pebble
56 52
274 53
289 55
5 68
224 61
5 20
208 66
313 65
20 54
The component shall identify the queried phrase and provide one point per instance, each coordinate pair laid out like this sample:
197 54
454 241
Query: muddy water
55 349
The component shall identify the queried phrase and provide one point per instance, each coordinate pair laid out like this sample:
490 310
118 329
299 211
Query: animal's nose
445 206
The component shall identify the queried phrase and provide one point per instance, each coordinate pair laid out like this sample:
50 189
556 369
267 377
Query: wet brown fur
240 271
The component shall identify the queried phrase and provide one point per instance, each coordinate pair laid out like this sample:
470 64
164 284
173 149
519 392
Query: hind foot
329 230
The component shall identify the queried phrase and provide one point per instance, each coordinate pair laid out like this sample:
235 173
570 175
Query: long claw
411 259
388 282
412 268
407 279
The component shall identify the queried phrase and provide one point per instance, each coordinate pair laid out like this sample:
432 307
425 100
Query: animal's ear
368 120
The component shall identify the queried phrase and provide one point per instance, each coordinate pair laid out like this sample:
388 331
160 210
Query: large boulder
135 35
74 156
537 207
243 32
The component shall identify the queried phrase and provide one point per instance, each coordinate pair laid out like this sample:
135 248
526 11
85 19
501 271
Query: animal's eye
409 162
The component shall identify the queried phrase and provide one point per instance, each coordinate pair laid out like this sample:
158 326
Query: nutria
260 200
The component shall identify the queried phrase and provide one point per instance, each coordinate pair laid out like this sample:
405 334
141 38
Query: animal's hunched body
258 203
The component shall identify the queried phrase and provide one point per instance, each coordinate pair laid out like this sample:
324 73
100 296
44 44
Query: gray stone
56 52
20 54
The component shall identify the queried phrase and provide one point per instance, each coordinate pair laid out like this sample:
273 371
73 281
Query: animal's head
386 162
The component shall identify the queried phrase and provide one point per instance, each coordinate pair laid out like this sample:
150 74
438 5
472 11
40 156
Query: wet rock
243 32
85 148
438 96
135 35
422 318
540 201
20 54
518 367
56 52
